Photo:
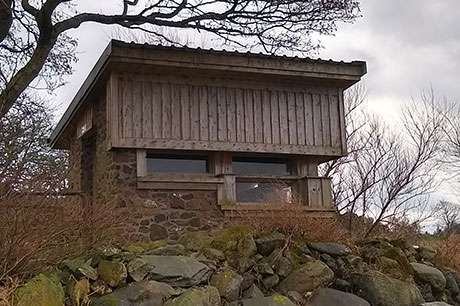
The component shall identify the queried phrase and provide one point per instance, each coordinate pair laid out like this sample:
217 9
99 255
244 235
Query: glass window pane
177 164
263 192
244 166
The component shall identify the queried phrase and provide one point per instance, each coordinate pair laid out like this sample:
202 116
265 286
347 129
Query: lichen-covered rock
268 243
331 248
142 293
331 297
112 272
168 250
208 296
228 283
307 277
274 300
426 253
382 290
270 281
430 275
175 270
213 254
80 267
195 241
42 290
141 247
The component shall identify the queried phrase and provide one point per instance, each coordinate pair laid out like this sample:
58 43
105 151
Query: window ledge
273 207
181 178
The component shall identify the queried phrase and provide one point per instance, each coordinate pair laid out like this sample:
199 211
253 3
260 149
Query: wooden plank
137 106
248 115
300 118
317 121
325 119
314 192
127 114
147 119
166 110
141 156
176 116
258 126
292 118
309 120
335 120
240 132
231 114
113 103
221 114
212 106
156 110
181 178
342 121
176 186
195 113
204 117
266 117
283 115
185 112
275 119
326 190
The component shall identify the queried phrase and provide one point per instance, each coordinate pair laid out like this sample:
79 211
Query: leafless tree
33 33
26 161
388 175
448 214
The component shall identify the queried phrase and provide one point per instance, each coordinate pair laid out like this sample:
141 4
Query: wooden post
222 166
141 163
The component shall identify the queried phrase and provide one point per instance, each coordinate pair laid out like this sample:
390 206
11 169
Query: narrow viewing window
260 166
264 192
176 163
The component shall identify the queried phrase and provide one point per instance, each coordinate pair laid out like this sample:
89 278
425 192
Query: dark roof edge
79 97
124 44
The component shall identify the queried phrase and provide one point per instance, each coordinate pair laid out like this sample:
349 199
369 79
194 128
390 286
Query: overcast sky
408 45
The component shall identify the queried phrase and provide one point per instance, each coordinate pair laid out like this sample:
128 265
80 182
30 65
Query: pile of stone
232 267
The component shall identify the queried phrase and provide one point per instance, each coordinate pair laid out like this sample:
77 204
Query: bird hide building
185 138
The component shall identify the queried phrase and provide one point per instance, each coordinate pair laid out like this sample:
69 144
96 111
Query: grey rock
267 244
426 253
213 254
296 297
80 267
331 248
207 296
435 304
253 292
270 281
144 293
175 270
382 290
228 283
274 300
283 267
307 277
429 275
168 250
331 297
451 283
264 268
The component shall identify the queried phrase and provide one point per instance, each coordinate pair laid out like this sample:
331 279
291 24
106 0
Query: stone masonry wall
149 214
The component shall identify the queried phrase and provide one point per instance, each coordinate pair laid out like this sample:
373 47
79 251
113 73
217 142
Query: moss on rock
112 272
42 290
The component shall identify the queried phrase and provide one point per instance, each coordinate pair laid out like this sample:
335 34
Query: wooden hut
195 134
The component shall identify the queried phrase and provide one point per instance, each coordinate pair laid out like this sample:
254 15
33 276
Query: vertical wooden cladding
150 109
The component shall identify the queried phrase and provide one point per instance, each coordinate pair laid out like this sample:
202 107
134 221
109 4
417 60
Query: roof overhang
143 55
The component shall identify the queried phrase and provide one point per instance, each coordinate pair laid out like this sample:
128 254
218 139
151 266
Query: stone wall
148 214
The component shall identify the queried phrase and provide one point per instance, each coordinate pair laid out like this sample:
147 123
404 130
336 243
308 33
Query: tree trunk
6 18
22 79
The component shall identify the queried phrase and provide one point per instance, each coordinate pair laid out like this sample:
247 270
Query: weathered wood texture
150 113
85 121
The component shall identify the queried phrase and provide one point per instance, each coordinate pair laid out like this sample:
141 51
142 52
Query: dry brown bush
447 251
293 220
39 231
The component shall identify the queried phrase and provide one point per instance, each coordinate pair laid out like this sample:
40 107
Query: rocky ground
233 267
